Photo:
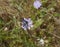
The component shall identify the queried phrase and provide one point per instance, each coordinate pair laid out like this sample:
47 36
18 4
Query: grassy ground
46 23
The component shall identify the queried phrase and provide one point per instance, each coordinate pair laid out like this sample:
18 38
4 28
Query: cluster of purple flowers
27 22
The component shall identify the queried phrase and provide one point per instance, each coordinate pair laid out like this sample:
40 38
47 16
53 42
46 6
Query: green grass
46 22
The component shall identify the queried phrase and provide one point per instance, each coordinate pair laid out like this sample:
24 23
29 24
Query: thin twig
54 35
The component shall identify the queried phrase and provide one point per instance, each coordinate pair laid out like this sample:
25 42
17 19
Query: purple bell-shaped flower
27 23
37 4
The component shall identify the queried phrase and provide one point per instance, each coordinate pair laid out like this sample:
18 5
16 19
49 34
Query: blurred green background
46 22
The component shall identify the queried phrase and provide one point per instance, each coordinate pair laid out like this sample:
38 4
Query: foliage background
46 23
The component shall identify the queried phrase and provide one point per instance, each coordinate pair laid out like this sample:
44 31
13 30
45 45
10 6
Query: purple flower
37 4
27 23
